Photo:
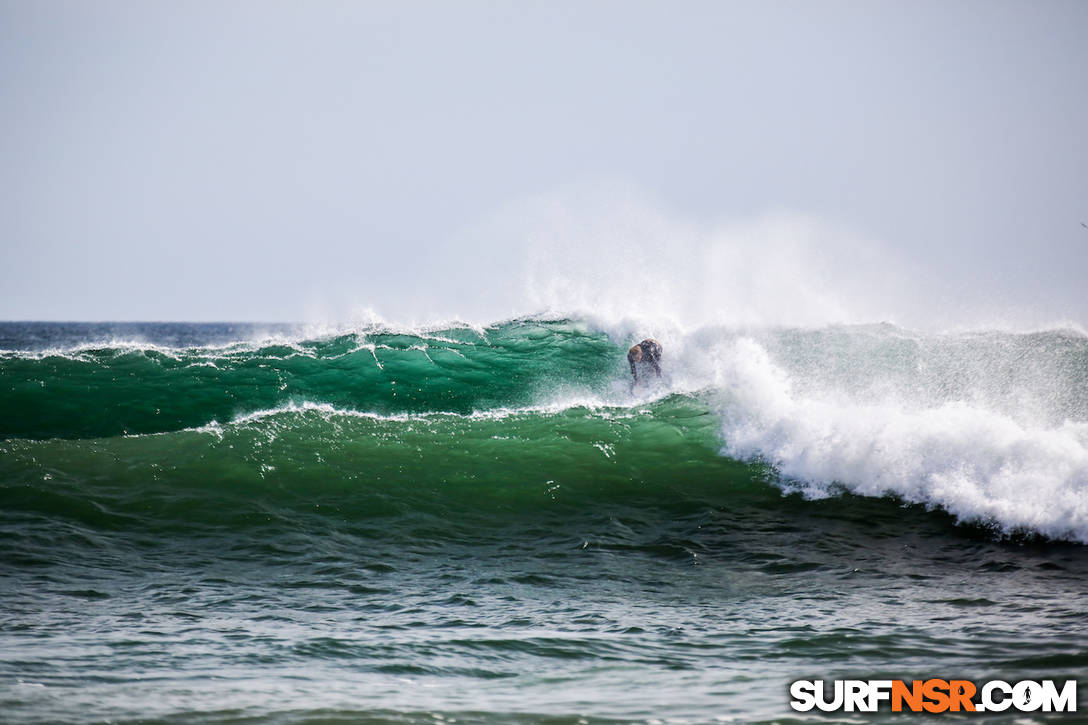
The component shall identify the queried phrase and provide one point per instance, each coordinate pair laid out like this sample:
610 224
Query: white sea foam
590 405
978 463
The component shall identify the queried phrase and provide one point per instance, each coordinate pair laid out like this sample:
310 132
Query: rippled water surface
225 524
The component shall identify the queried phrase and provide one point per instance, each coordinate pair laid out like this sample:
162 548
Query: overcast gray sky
290 160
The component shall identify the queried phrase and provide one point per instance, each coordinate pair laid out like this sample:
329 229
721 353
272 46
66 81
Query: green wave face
107 391
530 455
533 479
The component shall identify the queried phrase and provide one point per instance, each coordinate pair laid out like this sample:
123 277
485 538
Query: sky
754 161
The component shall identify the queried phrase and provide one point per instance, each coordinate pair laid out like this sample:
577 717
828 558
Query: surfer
647 352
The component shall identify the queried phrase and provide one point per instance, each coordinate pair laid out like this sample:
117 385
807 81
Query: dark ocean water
243 524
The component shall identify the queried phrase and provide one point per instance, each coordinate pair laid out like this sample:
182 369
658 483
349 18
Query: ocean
237 523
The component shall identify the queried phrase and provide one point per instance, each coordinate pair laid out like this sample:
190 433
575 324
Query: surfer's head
651 349
646 352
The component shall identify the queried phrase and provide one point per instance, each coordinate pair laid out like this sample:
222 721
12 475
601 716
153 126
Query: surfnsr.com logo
933 695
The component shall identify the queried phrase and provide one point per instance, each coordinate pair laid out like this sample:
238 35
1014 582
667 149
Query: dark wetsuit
647 352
